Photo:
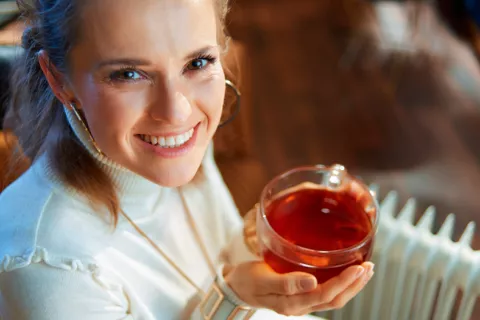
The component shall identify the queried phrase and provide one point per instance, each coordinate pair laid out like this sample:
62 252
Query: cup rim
309 251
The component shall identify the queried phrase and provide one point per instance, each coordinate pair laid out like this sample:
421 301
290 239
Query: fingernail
368 277
307 284
370 273
360 271
370 268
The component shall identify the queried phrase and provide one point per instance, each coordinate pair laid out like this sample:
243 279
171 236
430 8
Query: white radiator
418 275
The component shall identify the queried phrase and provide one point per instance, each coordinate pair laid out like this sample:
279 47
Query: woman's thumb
270 282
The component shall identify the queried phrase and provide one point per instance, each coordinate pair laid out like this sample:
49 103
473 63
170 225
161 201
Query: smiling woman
116 103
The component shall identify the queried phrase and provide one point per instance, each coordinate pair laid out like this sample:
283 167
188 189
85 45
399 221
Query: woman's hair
53 26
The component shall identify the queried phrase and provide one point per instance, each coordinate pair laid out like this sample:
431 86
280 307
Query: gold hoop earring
235 112
85 128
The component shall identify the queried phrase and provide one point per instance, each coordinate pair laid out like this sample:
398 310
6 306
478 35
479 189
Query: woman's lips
170 146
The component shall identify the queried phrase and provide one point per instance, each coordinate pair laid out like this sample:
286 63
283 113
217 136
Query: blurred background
390 89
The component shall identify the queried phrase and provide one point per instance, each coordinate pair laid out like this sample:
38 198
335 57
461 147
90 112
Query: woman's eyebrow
123 61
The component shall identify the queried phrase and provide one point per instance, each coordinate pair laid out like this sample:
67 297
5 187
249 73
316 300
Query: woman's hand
296 293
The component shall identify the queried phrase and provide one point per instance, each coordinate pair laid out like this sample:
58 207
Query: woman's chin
169 173
172 178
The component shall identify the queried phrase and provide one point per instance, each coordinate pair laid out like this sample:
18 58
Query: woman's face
148 78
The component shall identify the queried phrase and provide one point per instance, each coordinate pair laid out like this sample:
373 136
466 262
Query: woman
123 214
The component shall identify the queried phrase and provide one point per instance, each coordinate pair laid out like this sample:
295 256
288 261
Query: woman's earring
79 117
237 106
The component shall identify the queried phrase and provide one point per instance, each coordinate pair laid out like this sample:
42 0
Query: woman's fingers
344 297
323 294
250 231
295 293
330 289
256 283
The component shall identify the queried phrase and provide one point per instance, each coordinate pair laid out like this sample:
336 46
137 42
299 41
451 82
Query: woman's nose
174 107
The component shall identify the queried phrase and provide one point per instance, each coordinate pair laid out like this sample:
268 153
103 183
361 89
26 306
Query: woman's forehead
149 27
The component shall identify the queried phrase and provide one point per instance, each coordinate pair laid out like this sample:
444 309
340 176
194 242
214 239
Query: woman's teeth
168 142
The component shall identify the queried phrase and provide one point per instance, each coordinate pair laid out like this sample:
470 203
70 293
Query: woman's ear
55 79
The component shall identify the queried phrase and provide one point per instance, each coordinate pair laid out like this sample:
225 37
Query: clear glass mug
316 219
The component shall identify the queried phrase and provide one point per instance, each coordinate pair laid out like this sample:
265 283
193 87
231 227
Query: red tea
322 220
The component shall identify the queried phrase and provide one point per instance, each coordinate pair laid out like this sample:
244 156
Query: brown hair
53 26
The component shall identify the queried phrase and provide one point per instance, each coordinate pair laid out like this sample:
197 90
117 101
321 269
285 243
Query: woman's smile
170 145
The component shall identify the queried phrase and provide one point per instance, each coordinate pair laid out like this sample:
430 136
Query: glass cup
316 219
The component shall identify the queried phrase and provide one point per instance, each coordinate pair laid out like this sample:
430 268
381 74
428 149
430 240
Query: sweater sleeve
40 292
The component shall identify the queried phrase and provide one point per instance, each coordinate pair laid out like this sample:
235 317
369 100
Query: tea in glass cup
318 220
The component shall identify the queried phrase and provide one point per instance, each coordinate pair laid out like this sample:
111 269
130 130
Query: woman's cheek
117 112
210 99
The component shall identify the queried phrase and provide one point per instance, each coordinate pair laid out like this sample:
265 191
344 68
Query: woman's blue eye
198 64
126 75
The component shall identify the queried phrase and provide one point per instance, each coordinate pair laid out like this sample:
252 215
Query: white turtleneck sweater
60 259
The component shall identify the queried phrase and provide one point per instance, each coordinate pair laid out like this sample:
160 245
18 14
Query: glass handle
335 176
